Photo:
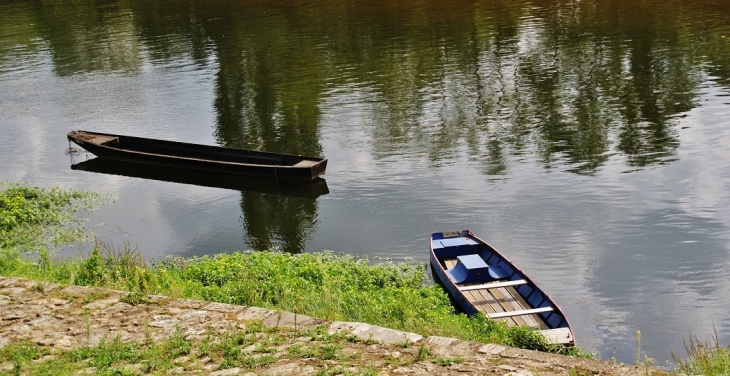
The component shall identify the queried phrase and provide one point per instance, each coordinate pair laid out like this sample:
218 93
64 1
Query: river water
587 140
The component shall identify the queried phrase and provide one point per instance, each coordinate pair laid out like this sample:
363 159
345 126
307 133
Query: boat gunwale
319 160
444 279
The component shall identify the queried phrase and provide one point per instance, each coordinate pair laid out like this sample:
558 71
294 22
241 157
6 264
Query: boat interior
496 288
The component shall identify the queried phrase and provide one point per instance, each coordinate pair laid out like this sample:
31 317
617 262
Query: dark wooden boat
305 189
212 159
482 280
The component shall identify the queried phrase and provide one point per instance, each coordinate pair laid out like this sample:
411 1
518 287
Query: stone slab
369 332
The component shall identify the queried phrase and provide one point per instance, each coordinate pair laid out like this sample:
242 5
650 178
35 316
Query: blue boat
482 281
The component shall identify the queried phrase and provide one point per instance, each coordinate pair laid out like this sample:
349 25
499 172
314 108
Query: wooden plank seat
519 313
494 285
499 300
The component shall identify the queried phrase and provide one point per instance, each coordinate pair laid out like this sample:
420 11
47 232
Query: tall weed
708 358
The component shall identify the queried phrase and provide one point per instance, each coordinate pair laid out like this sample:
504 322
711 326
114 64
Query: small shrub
448 361
38 287
329 351
530 339
92 270
424 352
135 298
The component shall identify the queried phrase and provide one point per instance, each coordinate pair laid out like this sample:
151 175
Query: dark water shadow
312 190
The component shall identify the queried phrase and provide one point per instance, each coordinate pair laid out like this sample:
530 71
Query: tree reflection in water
571 84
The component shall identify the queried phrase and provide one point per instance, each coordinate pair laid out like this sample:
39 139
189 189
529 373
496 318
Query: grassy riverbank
326 285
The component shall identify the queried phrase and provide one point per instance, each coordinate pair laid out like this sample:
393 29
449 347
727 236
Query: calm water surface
586 140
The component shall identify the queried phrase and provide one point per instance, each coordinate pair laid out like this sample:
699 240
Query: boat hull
482 281
211 159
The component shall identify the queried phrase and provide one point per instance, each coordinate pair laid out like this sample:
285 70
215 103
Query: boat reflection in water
306 189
